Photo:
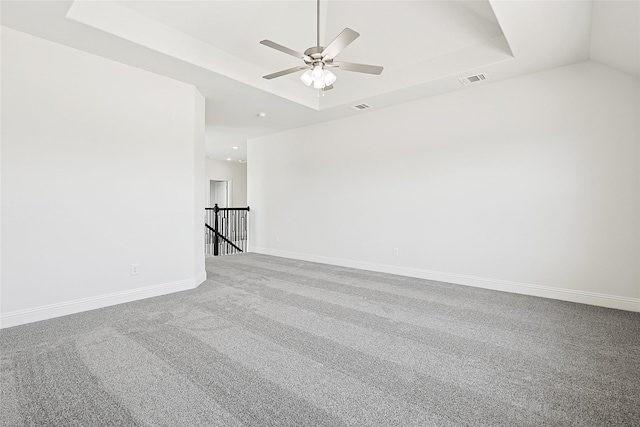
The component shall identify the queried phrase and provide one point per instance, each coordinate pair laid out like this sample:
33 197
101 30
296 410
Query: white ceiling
425 47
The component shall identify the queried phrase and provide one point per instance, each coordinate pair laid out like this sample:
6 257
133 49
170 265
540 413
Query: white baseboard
200 278
583 297
21 317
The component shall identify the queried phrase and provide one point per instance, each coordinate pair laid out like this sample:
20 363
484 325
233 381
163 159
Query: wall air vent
473 79
360 107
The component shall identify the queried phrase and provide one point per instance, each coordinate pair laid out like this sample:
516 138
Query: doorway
219 193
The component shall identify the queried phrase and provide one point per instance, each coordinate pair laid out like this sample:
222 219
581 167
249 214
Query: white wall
235 173
102 167
528 185
615 34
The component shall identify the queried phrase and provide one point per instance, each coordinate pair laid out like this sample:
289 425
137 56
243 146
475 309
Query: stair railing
226 230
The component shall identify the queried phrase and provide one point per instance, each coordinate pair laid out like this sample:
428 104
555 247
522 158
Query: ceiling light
235 147
318 72
261 114
228 160
320 77
306 78
329 78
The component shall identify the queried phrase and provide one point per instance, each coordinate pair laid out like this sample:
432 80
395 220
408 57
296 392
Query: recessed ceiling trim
133 26
483 55
129 25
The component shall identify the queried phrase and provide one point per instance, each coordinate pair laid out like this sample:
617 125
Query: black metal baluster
226 233
229 237
215 232
244 231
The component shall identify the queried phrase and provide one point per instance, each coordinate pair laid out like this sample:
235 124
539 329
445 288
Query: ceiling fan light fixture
329 78
307 78
318 76
318 84
318 72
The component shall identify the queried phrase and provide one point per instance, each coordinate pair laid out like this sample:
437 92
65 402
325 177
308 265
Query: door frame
229 190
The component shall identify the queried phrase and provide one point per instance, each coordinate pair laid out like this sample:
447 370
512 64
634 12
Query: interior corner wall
99 164
528 185
235 173
200 188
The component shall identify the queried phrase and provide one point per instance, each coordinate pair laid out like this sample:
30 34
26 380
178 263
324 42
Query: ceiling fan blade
326 88
285 72
359 68
286 50
343 40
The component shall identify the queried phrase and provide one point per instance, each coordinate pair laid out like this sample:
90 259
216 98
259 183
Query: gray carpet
267 341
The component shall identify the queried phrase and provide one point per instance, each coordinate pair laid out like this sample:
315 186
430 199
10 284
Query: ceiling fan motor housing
315 53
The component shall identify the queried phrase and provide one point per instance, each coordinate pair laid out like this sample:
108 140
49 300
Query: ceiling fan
318 59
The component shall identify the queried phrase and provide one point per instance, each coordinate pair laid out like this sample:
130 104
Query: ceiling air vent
360 107
473 79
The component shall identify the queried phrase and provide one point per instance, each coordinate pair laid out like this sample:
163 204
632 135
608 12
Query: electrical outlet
396 251
134 269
